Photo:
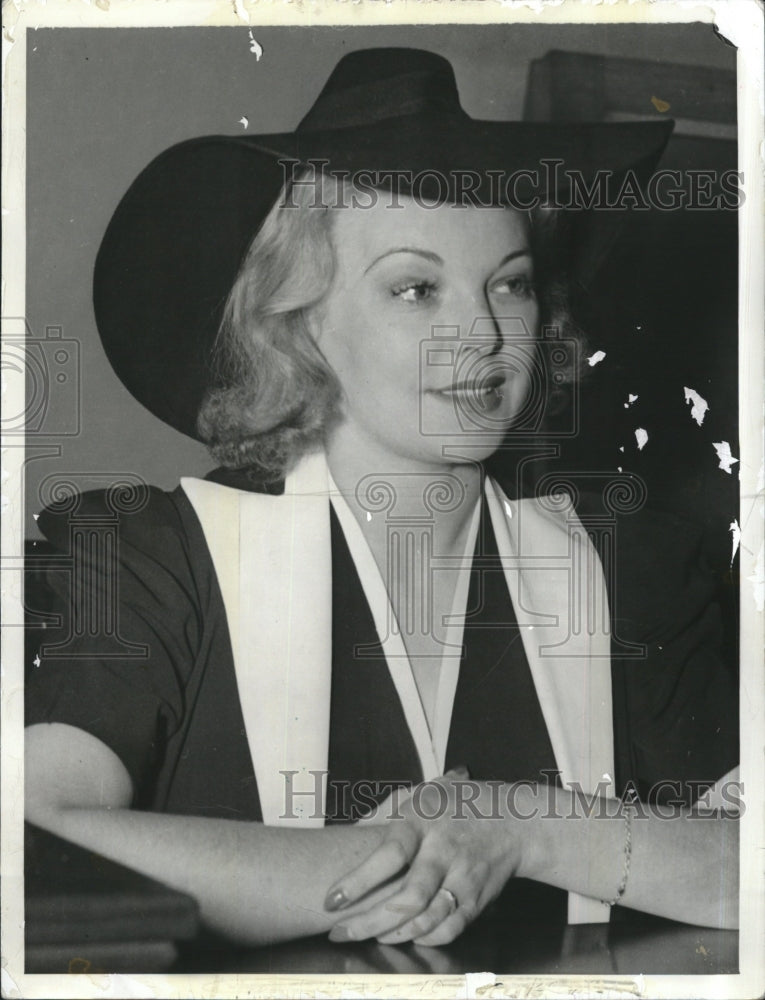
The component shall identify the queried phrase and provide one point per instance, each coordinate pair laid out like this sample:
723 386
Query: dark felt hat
175 243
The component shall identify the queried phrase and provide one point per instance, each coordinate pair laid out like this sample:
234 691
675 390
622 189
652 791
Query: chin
460 449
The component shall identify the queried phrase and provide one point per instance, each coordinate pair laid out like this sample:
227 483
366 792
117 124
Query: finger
460 887
456 922
460 773
453 926
463 887
441 906
394 853
447 930
414 898
468 886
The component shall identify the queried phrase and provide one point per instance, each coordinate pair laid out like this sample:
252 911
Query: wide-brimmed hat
176 241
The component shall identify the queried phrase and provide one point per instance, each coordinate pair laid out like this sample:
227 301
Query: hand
459 859
389 807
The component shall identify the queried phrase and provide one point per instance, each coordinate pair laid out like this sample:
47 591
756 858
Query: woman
298 619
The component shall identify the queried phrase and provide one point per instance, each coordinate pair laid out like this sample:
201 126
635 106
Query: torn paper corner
596 358
641 436
727 461
732 26
699 405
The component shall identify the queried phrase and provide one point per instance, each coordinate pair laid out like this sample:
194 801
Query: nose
480 327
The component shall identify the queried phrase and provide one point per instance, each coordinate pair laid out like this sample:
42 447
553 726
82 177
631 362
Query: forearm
681 865
254 884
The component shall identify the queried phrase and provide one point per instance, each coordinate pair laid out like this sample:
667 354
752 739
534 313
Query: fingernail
461 772
340 933
335 900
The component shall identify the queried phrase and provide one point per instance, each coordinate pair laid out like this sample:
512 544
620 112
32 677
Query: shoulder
670 533
148 540
655 562
145 514
136 512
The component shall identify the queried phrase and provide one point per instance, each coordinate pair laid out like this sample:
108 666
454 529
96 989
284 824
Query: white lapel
558 590
273 561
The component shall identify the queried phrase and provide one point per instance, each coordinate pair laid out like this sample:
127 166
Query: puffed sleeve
676 702
129 628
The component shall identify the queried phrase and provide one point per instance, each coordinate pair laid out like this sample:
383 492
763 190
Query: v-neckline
430 744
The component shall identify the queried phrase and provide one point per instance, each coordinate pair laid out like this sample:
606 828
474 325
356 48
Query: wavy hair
274 396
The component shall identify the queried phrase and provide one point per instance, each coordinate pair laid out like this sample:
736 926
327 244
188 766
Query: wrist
526 805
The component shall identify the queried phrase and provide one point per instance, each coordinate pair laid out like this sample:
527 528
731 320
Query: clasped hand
456 849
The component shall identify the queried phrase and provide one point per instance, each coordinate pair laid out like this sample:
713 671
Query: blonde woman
366 704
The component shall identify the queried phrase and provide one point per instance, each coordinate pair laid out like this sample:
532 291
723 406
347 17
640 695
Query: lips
476 388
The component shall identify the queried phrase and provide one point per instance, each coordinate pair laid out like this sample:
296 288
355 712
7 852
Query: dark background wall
102 102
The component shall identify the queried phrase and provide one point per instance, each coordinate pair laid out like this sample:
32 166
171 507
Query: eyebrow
434 258
427 254
523 252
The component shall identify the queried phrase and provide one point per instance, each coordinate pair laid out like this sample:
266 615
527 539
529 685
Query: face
429 326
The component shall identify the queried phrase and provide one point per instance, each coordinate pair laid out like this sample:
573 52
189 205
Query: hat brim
448 144
177 239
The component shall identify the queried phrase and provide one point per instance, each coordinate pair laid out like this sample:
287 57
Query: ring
453 901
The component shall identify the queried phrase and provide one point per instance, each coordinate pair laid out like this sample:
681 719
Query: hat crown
376 84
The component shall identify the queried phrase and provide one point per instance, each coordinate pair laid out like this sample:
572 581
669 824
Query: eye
414 292
519 286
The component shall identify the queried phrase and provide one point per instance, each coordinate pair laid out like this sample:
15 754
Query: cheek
368 355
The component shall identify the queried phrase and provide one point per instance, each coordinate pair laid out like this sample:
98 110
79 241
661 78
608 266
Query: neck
380 487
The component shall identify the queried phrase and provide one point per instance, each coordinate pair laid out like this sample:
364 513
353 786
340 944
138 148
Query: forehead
451 231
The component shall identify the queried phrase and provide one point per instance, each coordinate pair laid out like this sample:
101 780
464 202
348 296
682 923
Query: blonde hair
274 395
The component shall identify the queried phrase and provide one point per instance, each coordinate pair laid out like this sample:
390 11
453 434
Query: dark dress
174 719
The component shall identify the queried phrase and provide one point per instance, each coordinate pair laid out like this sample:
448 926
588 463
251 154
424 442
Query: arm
682 865
675 715
254 884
